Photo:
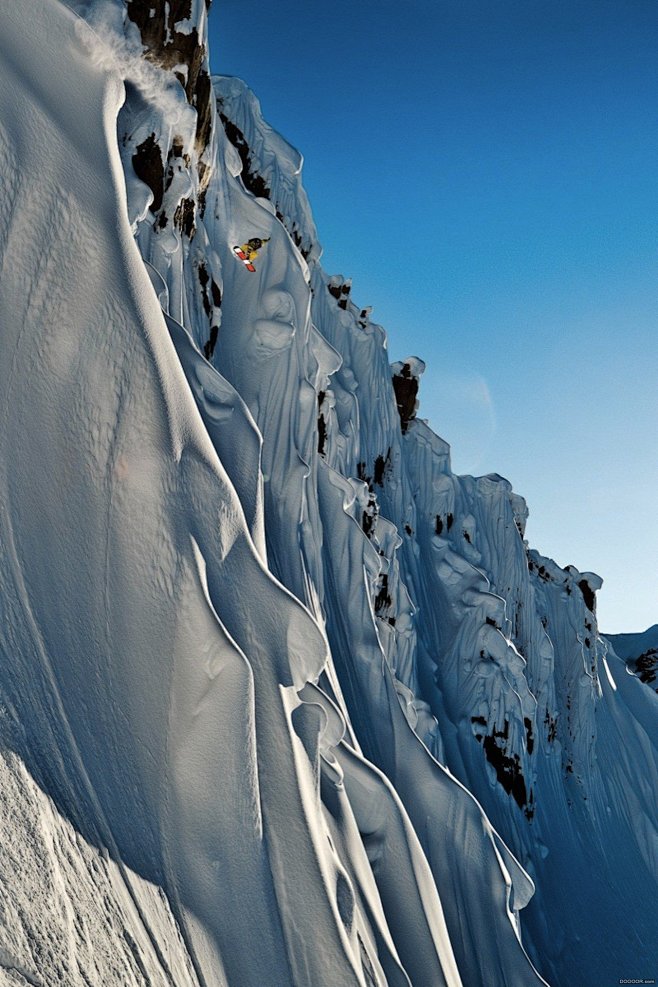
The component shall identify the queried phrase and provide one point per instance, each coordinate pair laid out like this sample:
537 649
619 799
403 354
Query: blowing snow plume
273 710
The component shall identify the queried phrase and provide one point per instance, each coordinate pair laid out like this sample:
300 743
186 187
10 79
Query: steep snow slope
493 649
123 541
259 644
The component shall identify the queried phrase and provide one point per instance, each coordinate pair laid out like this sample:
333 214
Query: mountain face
640 652
283 700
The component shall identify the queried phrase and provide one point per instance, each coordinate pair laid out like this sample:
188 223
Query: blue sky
486 173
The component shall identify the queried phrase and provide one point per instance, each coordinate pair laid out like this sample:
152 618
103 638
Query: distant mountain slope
632 645
640 652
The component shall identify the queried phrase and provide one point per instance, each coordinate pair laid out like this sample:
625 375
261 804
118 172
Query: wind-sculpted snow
128 633
284 701
496 661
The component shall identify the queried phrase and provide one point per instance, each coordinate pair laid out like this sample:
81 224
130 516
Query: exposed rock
251 179
588 595
147 162
405 386
184 217
170 49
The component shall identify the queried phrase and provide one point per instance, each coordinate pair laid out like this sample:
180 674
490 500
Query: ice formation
284 701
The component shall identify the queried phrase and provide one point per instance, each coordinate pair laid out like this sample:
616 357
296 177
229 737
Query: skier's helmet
256 243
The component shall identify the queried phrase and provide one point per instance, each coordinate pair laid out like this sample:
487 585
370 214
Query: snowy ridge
508 650
271 166
284 700
640 652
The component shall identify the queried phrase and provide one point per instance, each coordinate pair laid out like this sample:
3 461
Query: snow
632 645
284 701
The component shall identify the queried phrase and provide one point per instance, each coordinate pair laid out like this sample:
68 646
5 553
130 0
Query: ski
245 260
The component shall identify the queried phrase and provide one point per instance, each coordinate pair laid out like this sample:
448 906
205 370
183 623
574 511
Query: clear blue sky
485 171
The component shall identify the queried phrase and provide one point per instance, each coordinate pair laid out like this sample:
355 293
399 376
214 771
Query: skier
251 247
248 252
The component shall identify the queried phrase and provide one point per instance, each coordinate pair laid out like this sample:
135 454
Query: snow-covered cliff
283 700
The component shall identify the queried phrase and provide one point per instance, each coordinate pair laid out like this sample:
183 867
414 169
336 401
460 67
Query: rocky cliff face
307 703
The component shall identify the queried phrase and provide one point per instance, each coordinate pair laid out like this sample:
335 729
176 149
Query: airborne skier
248 252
